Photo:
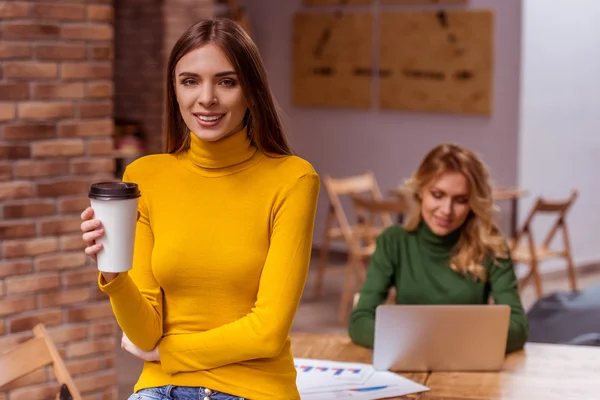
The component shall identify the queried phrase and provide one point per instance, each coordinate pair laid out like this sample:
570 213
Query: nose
207 97
446 207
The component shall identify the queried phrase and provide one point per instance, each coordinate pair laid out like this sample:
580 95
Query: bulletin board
336 2
439 61
333 59
421 2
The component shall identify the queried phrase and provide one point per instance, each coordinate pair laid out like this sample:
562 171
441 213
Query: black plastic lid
114 191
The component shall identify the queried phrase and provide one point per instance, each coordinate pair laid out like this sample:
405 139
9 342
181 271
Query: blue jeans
170 392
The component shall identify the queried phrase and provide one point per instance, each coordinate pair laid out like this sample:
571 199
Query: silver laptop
440 337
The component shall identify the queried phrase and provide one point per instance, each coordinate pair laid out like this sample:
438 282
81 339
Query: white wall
559 142
342 142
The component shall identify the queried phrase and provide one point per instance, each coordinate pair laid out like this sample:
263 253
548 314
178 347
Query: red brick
92 382
59 91
73 205
44 110
7 112
27 322
15 267
15 190
92 166
100 89
28 284
103 328
6 172
110 394
100 13
82 276
29 247
2 289
60 52
89 347
13 10
63 298
100 147
31 70
15 230
11 51
60 225
90 312
28 30
101 32
29 209
86 128
72 242
42 391
95 109
2 332
56 262
59 12
38 169
57 148
63 187
11 152
29 132
14 91
85 366
67 333
102 53
15 305
86 71
38 376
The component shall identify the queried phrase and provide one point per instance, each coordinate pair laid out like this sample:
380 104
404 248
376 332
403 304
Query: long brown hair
262 118
480 236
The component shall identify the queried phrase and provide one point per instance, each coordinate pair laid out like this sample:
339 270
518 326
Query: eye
436 194
462 200
228 82
188 82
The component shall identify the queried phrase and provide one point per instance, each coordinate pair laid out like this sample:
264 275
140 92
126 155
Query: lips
209 117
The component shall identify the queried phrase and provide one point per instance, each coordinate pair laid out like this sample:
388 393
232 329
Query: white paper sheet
330 380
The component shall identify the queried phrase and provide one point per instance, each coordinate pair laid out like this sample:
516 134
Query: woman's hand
139 353
92 230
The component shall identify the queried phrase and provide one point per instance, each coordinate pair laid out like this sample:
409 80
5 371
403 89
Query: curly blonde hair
480 236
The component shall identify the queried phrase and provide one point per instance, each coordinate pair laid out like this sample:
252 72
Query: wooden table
540 371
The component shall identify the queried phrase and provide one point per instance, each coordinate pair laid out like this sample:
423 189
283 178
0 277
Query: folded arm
263 332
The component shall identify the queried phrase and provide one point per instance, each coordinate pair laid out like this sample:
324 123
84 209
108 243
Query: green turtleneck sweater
417 263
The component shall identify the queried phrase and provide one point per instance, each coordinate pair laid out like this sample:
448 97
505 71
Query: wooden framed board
310 3
439 61
421 2
333 59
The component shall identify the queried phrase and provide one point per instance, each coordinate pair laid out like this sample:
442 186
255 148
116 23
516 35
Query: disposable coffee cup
115 204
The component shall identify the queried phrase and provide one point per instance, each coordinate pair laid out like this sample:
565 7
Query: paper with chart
325 380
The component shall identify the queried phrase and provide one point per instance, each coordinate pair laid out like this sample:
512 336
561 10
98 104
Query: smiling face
209 95
445 203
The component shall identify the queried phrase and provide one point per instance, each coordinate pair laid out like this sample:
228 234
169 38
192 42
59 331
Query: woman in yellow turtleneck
224 236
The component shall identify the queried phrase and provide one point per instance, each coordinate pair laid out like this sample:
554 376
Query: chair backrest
544 206
32 355
352 185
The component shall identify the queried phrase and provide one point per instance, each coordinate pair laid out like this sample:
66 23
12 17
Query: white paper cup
115 204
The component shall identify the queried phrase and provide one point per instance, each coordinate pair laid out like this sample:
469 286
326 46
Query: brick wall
145 32
55 139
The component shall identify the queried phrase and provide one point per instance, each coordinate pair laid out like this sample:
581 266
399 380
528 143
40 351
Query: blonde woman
449 251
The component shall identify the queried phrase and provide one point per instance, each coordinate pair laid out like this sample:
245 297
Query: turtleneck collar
435 244
222 157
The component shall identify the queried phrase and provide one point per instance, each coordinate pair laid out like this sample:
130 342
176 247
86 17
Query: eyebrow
218 74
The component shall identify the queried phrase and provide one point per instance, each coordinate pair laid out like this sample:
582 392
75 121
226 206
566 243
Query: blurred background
366 88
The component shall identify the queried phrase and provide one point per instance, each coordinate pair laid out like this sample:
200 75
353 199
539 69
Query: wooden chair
32 355
524 250
362 246
344 231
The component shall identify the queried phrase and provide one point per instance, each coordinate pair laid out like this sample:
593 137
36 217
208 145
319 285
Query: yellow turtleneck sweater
221 256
